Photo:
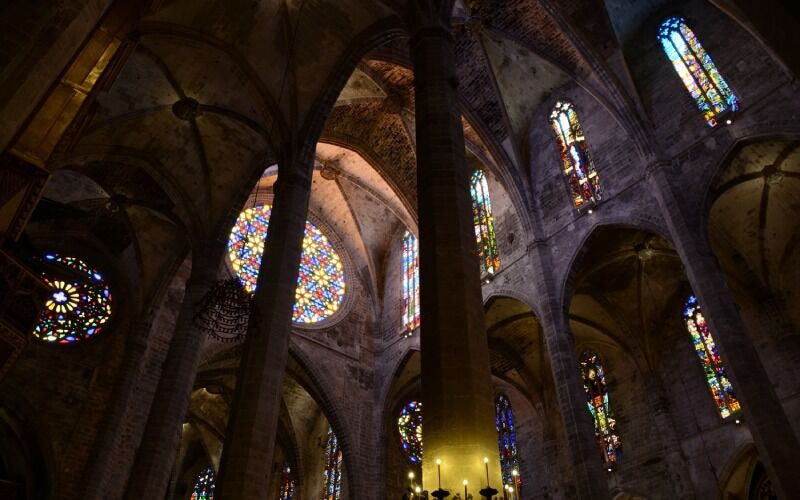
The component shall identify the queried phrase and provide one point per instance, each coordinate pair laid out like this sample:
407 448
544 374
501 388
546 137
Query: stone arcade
376 249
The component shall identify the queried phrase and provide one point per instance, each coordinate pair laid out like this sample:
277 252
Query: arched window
506 441
332 481
695 68
320 283
410 281
605 427
409 424
484 223
706 350
576 162
287 483
79 306
204 485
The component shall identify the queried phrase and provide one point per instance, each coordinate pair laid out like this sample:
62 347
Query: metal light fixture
224 312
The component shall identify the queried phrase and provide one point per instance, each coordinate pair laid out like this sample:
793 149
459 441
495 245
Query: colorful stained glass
577 164
507 441
332 480
695 68
204 485
409 424
79 306
320 282
410 281
605 427
706 350
287 483
484 224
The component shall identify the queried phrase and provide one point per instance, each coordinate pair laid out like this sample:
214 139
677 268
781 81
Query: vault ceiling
247 72
629 293
755 220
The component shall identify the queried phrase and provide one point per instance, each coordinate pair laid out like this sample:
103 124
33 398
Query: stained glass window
320 283
706 350
695 68
484 223
605 427
576 162
204 485
410 281
332 481
506 441
79 305
287 483
409 424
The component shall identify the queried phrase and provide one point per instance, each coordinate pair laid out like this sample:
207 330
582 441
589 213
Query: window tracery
320 281
79 306
576 162
605 426
506 440
696 70
204 485
410 281
706 349
409 424
484 223
332 481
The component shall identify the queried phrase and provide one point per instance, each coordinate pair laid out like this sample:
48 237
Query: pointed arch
576 162
484 223
696 70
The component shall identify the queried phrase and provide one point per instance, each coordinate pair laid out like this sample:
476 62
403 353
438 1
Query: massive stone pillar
159 447
774 437
457 391
587 462
253 423
101 457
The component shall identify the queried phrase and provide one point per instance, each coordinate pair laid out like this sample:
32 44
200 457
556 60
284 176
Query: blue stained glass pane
696 70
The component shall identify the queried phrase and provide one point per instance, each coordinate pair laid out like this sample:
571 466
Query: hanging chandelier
224 312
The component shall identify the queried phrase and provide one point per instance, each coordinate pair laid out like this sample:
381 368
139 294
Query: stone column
457 392
253 423
98 465
774 437
159 447
667 446
587 462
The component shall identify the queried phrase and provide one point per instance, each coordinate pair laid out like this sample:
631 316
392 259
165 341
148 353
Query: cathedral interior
248 247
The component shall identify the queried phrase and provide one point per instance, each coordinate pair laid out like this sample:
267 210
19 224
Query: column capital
658 165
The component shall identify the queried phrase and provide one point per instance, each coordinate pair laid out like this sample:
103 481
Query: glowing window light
320 282
696 70
409 425
484 223
706 350
79 306
576 162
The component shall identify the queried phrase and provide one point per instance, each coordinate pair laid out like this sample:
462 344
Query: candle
465 489
486 463
439 471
